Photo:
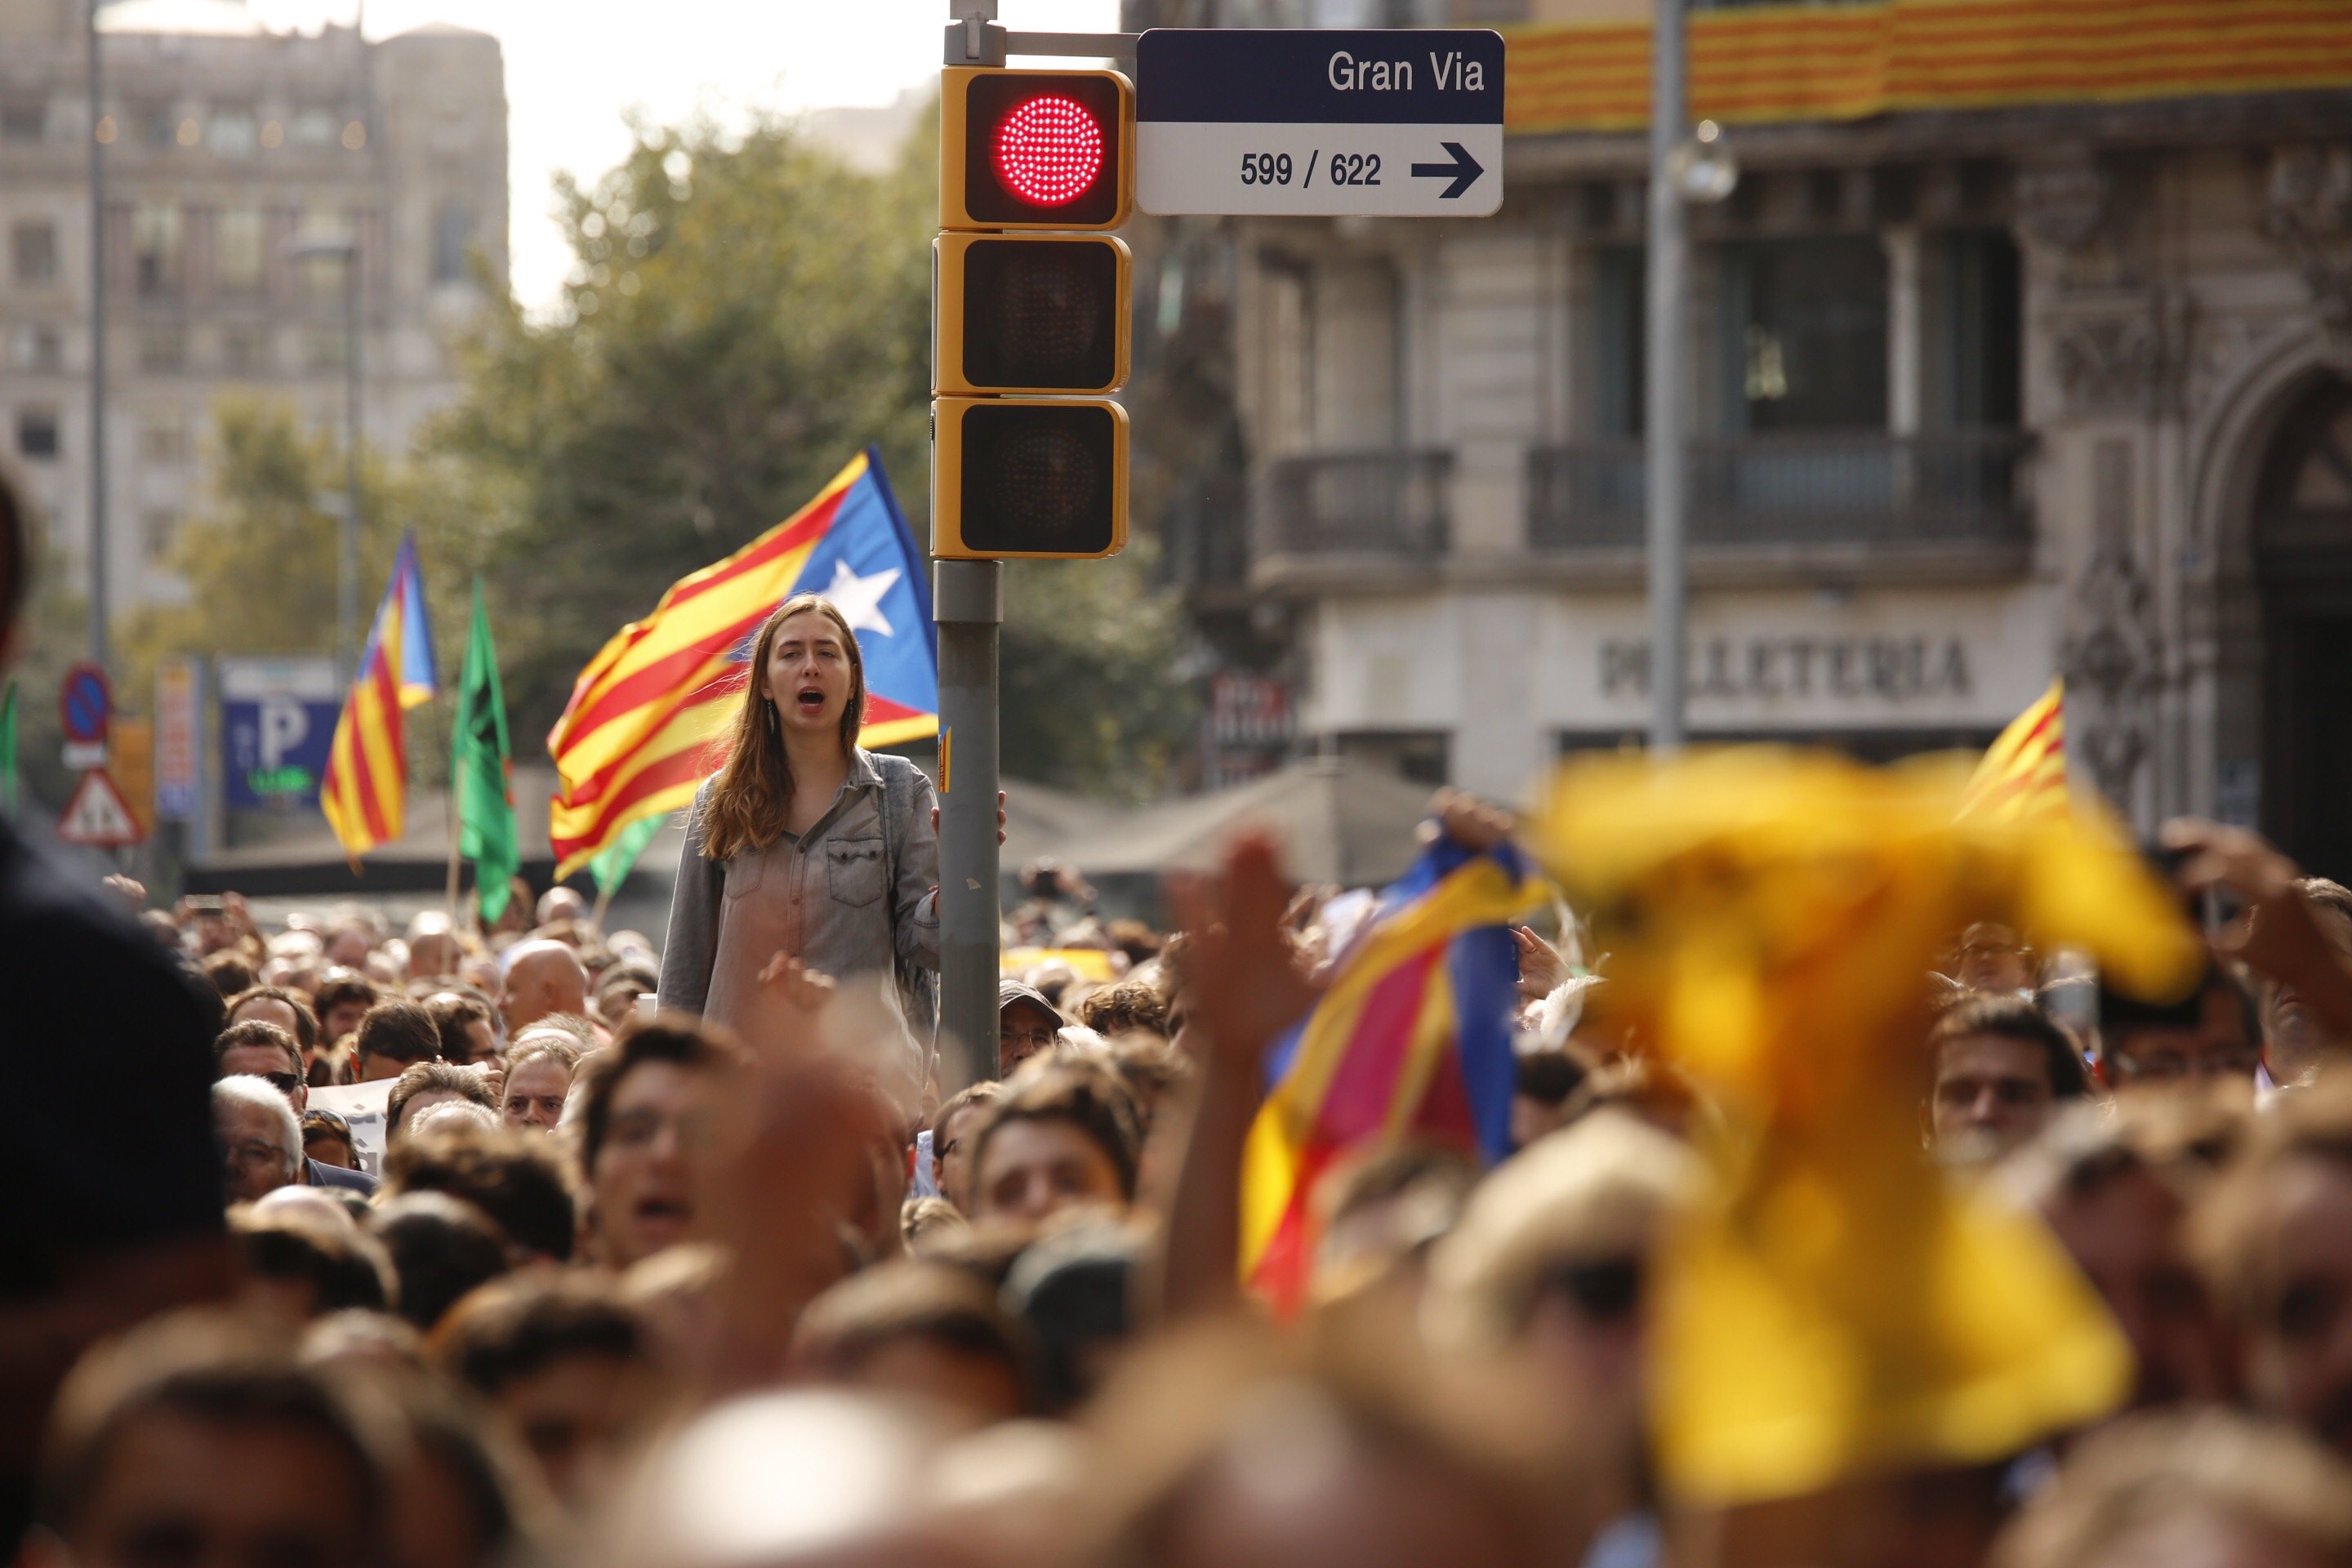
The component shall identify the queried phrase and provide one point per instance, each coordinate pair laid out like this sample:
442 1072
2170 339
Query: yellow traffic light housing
1044 476
1035 149
1017 313
1030 312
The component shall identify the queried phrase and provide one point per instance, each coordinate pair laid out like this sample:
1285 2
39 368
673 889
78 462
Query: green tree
259 561
743 314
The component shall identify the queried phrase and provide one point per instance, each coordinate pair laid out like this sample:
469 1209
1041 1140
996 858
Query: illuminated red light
1049 150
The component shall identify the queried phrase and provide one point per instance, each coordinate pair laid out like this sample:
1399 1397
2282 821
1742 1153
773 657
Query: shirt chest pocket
853 871
746 874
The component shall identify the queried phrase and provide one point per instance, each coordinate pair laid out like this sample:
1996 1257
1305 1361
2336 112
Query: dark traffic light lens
1039 479
1041 147
1041 313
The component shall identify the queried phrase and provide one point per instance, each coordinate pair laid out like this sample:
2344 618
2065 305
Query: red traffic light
1023 149
1049 150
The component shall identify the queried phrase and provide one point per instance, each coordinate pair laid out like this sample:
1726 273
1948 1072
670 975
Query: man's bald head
560 903
541 977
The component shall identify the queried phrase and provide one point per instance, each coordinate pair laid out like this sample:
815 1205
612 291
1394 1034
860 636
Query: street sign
98 816
1312 122
85 703
278 722
179 706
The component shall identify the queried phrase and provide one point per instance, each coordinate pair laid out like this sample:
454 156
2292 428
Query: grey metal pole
968 602
1665 448
100 597
346 543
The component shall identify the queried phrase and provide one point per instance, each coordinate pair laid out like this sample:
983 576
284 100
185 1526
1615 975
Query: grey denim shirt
823 897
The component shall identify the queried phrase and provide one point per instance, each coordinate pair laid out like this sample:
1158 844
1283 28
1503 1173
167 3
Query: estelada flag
2024 775
366 791
1412 1039
647 718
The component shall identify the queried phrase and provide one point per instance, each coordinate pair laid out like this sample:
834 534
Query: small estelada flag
365 793
2024 775
647 718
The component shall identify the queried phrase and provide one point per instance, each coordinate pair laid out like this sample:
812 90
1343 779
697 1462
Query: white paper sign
361 1105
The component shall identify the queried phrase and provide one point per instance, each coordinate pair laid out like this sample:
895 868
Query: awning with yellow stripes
1848 62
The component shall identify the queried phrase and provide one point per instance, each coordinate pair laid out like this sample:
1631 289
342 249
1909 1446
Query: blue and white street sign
1310 122
278 722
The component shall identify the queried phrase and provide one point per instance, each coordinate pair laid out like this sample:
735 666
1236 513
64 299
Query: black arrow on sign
1463 171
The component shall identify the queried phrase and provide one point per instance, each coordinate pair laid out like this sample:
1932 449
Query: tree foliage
259 561
1092 698
745 313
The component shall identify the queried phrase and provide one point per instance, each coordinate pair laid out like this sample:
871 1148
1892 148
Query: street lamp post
347 542
99 584
1669 295
1685 167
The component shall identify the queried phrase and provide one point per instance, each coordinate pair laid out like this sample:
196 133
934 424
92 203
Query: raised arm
1244 989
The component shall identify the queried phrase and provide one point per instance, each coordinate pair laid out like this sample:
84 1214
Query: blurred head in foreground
196 1440
1234 1450
647 1104
2114 1183
2208 1489
2275 1235
1551 1262
806 1478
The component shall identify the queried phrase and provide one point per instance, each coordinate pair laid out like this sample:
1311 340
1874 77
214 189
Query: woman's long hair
753 794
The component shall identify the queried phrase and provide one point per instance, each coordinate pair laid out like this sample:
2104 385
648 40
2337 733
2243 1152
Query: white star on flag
859 599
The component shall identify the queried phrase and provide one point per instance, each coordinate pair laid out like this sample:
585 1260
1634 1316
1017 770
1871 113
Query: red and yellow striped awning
1848 62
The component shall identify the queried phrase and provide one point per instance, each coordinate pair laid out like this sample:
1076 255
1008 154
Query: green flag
479 759
8 750
613 862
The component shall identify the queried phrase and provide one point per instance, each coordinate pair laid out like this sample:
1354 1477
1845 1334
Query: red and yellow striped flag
366 791
2024 775
647 718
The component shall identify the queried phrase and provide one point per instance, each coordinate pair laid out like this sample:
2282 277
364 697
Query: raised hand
1243 978
2278 933
1543 971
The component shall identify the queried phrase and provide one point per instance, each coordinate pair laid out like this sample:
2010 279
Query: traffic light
1028 476
1019 316
1031 313
1021 149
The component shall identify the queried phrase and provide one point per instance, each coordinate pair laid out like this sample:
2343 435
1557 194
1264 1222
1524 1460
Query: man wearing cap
1026 1025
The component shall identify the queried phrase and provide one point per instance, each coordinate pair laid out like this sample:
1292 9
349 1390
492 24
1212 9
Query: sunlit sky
575 66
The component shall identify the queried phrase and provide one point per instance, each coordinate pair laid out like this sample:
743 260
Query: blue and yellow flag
1412 1039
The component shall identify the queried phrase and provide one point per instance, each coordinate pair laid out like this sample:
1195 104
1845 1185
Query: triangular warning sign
97 816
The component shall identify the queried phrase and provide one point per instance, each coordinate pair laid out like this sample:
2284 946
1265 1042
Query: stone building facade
1982 394
227 145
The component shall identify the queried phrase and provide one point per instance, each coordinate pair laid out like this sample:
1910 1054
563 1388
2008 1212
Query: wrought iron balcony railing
1831 489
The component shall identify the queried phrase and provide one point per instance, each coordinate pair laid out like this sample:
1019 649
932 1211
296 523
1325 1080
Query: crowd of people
761 1280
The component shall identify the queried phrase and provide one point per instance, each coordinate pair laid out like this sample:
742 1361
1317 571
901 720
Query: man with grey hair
261 1142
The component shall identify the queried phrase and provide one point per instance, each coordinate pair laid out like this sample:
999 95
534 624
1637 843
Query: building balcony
1829 507
1333 511
1860 503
